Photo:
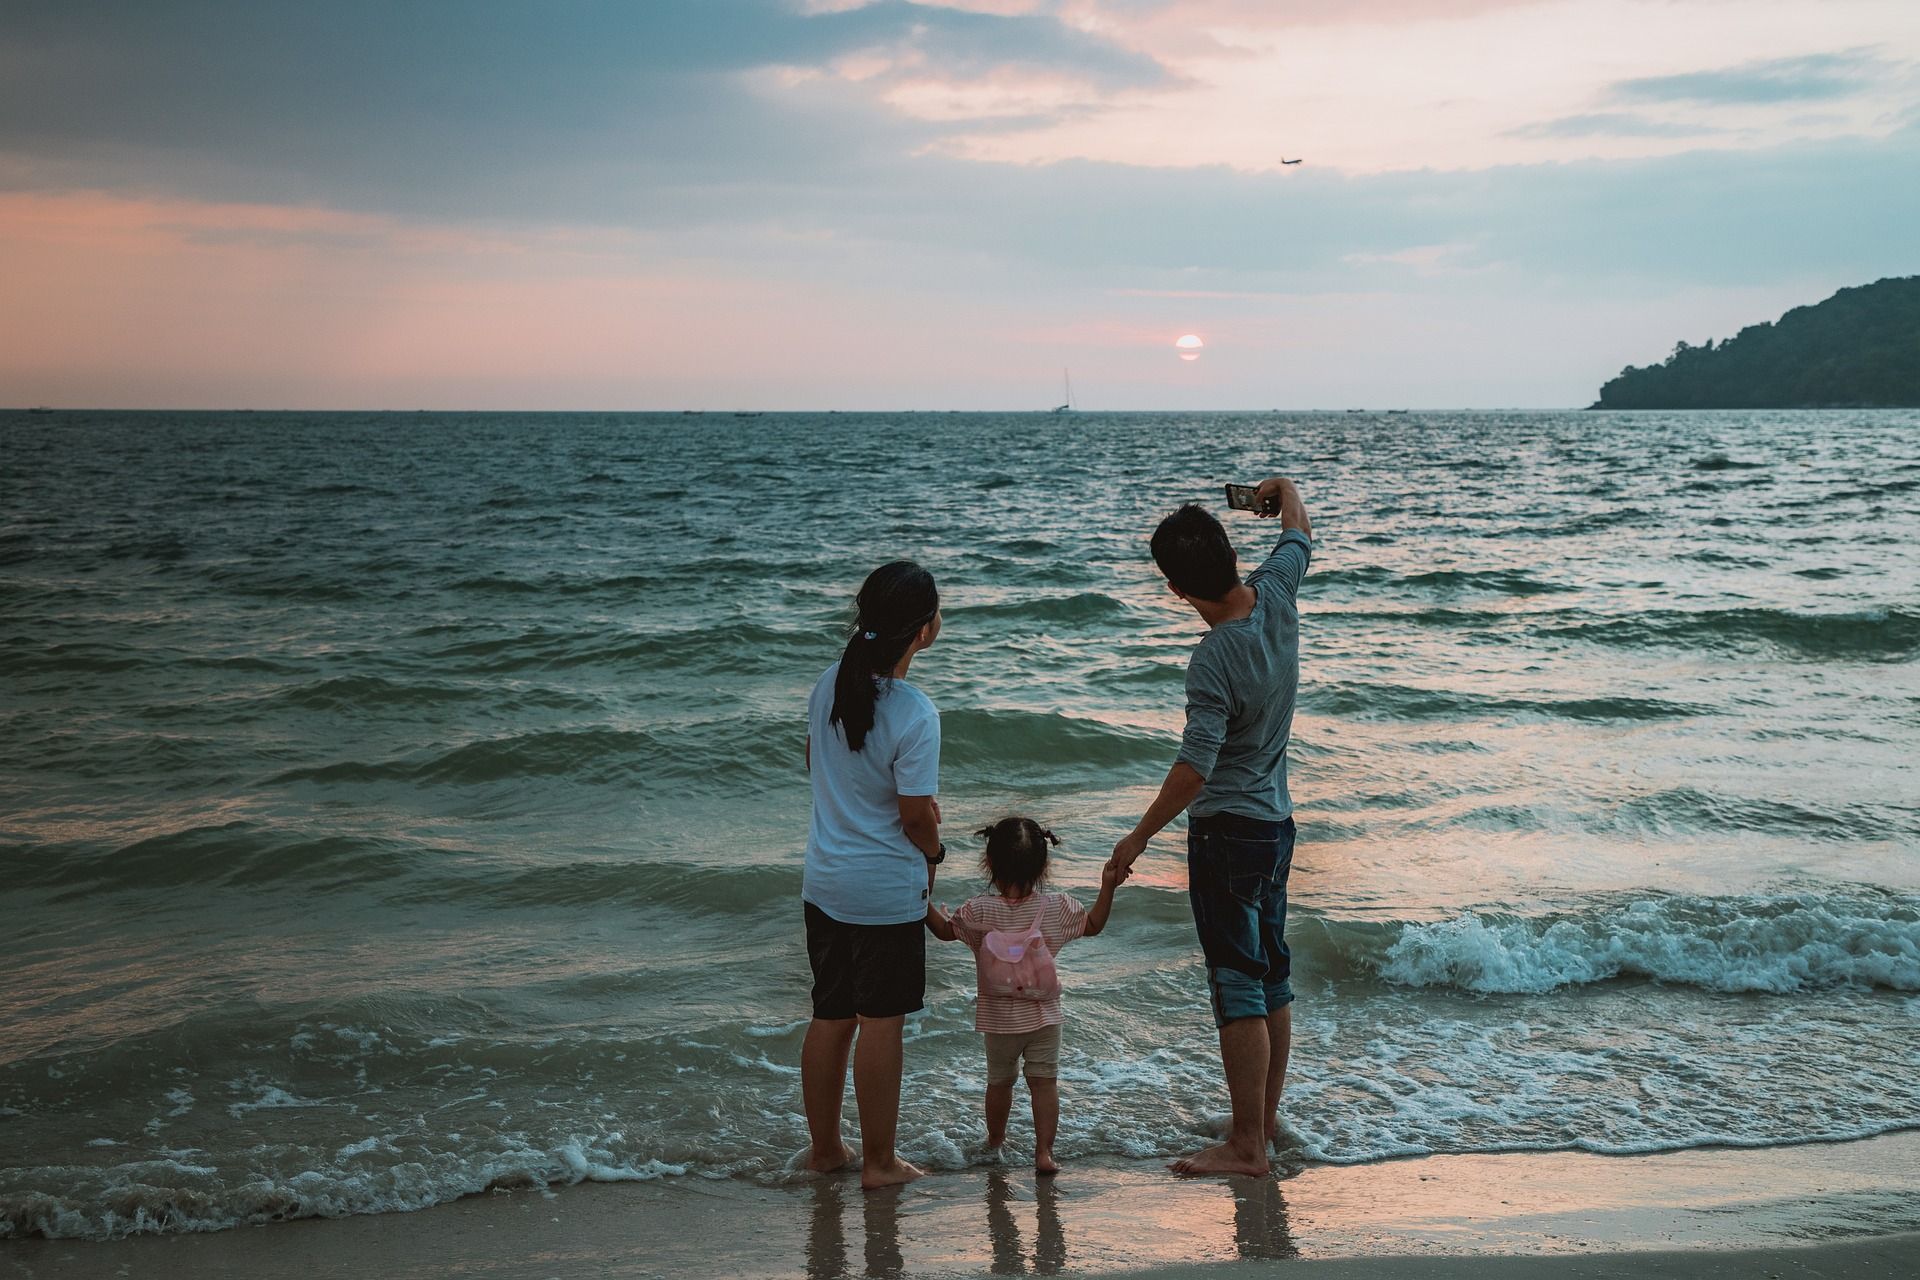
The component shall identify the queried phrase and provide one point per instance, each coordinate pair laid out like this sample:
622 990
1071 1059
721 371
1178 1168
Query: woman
873 757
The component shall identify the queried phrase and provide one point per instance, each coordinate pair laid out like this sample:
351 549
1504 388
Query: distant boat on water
1066 384
746 415
40 408
1397 411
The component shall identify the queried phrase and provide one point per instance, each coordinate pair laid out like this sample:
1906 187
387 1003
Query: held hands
1125 854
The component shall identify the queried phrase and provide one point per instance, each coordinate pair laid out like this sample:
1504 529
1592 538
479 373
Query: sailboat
1067 384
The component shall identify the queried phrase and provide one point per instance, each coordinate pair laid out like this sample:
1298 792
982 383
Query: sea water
394 806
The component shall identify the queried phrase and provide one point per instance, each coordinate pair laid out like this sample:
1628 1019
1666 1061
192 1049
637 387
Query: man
1231 774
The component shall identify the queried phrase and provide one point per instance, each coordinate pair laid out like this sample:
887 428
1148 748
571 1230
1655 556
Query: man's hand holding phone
1254 498
1275 496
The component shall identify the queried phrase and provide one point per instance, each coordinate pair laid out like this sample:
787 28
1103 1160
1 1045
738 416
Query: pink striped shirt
1063 921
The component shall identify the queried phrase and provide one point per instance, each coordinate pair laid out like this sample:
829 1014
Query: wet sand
1838 1210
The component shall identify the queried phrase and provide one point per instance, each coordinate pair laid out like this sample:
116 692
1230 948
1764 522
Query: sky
762 204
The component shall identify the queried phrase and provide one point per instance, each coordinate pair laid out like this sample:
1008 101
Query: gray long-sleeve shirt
1241 683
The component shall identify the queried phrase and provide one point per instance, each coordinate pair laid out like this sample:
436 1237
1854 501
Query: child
1021 1027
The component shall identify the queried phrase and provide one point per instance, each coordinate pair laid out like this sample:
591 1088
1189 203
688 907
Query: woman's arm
920 819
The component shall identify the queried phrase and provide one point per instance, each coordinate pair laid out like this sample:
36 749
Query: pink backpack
1018 965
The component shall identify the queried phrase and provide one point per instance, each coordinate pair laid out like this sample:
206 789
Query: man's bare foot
827 1161
1221 1159
1043 1161
873 1177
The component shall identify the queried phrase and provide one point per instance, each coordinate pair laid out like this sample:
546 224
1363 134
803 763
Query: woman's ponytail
895 601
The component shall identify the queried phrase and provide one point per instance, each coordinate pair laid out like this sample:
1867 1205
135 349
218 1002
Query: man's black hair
1193 551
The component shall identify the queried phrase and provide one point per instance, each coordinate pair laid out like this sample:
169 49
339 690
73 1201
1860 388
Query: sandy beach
1850 1209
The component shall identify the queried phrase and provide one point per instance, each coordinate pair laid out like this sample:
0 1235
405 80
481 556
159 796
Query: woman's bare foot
827 1161
1221 1159
1043 1161
873 1177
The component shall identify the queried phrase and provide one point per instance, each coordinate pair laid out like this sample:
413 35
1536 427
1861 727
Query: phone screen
1242 497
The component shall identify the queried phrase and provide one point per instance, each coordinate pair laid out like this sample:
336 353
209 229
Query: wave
231 853
1404 702
1022 744
253 583
34 659
1085 606
374 694
682 886
1876 635
1693 809
718 751
1779 945
560 584
1509 582
735 649
357 692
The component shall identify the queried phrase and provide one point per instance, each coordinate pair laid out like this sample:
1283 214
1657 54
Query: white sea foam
267 1098
1778 945
168 1196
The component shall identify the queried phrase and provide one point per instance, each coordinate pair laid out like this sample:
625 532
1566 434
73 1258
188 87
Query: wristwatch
935 859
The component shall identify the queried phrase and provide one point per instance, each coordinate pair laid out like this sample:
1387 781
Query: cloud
1810 78
1610 124
676 162
443 101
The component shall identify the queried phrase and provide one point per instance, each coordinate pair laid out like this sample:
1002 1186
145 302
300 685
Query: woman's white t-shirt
861 868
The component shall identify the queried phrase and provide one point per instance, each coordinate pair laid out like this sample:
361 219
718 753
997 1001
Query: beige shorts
1041 1049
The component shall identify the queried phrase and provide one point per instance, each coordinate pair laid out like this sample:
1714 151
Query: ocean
395 806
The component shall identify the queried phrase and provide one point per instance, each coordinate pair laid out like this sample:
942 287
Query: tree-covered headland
1858 349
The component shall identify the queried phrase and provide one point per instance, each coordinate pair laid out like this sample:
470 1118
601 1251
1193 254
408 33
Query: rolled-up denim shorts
1237 881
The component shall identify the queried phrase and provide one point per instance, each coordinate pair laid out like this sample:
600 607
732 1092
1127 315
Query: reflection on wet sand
1018 1245
1010 1258
1260 1219
826 1239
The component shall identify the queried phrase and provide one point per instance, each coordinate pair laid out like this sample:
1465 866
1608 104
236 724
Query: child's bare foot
1221 1159
873 1177
1043 1161
827 1161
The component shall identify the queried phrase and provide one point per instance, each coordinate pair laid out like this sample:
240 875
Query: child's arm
940 924
1102 905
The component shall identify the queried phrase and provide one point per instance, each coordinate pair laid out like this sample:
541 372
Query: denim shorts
1237 880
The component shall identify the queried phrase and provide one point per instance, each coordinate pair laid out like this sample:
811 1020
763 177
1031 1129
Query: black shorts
866 970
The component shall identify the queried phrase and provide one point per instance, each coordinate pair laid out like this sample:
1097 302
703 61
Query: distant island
1860 349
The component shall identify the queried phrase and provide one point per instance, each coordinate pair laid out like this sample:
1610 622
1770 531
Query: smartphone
1245 497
